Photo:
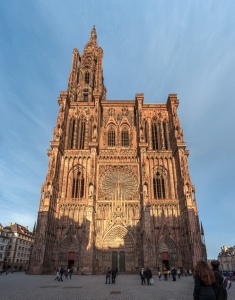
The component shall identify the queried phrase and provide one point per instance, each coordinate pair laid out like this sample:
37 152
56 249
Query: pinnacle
93 33
92 43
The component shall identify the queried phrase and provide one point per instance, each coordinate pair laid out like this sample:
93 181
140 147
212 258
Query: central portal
118 260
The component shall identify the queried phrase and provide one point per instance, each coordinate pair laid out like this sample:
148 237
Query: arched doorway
118 250
167 253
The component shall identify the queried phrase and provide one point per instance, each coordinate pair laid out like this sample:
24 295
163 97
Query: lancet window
166 135
155 136
76 136
87 77
111 137
85 94
125 137
77 185
146 132
160 185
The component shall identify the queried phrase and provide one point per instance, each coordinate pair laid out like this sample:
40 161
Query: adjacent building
227 258
4 240
117 190
19 247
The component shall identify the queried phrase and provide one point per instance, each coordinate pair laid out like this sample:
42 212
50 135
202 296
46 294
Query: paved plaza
19 286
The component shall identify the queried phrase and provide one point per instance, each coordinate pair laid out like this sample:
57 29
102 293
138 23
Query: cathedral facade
117 191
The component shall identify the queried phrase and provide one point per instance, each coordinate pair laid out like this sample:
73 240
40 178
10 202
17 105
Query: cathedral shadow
126 239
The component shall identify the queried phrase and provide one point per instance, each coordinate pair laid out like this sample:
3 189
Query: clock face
118 183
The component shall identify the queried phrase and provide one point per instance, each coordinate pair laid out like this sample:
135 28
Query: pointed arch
155 132
111 135
160 183
118 237
76 133
87 77
125 135
76 182
166 244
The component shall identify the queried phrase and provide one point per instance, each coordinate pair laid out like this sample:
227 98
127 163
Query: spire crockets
86 76
92 43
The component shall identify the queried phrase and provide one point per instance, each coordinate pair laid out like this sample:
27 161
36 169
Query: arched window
77 185
146 132
166 135
111 137
85 94
71 133
155 141
76 134
125 137
159 185
87 77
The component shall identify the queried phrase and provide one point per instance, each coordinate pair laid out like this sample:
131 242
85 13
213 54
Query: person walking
61 274
113 275
221 293
173 273
205 287
142 276
159 275
70 272
108 275
148 275
165 273
57 275
178 273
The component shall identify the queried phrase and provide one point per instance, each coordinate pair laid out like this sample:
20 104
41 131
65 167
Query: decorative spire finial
93 33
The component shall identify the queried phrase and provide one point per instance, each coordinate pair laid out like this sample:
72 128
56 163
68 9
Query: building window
155 141
85 95
87 77
125 138
111 137
166 135
78 185
76 134
159 186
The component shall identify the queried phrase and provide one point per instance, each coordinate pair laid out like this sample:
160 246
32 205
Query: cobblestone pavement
19 286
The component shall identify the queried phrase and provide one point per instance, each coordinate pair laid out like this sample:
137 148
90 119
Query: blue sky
151 47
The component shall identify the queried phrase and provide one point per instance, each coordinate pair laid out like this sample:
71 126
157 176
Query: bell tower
65 230
86 76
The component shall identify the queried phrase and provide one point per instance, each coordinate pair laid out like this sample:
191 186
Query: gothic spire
92 43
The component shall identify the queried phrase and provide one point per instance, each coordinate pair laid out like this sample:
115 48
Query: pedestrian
221 293
165 273
173 273
61 274
70 272
57 275
108 275
205 287
159 275
178 273
142 276
66 273
113 275
148 275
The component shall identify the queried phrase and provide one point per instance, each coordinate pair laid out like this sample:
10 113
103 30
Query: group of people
146 274
111 275
63 272
208 282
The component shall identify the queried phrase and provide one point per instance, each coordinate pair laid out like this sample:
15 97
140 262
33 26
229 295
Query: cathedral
117 192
